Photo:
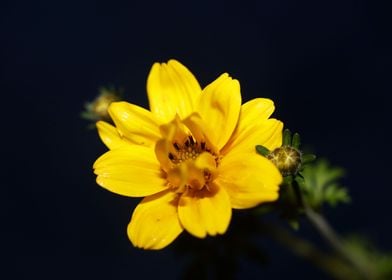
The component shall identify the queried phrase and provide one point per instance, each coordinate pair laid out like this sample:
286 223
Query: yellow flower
192 156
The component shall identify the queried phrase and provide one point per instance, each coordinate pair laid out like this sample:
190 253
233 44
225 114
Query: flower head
191 156
98 108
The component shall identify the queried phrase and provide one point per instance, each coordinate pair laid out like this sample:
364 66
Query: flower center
189 150
194 165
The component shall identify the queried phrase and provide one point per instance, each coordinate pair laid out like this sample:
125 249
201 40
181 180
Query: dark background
327 66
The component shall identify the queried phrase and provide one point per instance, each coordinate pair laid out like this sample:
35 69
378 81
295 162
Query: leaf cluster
319 183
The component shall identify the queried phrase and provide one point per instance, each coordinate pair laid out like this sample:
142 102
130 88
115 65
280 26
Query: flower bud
287 159
98 108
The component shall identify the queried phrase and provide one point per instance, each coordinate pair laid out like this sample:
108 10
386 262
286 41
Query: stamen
191 140
171 156
176 146
207 175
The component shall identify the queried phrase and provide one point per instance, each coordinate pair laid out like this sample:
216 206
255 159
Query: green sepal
262 150
288 180
307 158
286 137
296 141
299 178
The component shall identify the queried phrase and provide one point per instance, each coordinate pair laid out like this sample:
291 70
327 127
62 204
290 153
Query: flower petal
172 132
256 110
135 123
272 138
162 151
267 133
131 171
205 212
219 107
199 130
206 161
254 127
249 179
172 89
155 222
109 135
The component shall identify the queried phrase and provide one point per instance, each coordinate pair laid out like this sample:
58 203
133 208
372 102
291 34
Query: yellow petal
154 222
249 179
172 132
267 133
109 135
254 128
135 123
178 176
172 89
273 139
205 212
130 171
162 150
256 109
206 161
192 173
219 107
199 130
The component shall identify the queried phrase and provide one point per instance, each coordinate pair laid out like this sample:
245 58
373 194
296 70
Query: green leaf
262 150
335 194
321 184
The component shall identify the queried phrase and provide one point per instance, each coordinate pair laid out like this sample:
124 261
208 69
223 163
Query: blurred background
326 65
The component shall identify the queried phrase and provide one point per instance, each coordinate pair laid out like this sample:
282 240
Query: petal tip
174 62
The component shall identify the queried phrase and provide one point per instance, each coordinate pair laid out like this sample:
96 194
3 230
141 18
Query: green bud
287 159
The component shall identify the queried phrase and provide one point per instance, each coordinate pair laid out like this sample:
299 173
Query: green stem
331 237
304 249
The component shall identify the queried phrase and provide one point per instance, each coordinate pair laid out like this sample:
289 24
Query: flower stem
331 237
304 249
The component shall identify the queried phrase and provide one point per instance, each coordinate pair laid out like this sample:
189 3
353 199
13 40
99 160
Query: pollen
190 149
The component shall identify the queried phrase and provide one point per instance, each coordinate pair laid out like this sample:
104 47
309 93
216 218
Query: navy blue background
326 65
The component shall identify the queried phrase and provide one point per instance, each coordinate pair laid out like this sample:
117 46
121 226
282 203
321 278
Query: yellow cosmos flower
192 156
